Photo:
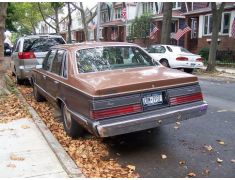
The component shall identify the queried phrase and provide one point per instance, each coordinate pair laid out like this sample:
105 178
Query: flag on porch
181 32
153 32
124 11
233 28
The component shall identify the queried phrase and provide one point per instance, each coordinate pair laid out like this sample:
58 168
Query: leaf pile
90 154
11 108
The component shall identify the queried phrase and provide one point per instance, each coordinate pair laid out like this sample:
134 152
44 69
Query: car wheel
18 80
71 127
38 97
188 70
165 63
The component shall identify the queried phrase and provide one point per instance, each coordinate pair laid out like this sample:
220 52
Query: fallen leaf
25 127
16 158
219 160
164 156
178 123
131 167
191 174
220 142
206 171
233 160
209 148
11 165
182 162
176 127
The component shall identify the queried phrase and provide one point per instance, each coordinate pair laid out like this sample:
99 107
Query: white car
175 57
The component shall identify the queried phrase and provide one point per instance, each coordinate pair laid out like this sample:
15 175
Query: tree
86 17
51 10
27 17
216 20
11 17
69 24
140 27
166 23
3 15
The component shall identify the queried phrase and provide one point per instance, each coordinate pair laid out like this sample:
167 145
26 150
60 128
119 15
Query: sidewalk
25 153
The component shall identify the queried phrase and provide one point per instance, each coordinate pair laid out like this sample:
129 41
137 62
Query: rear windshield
109 58
184 50
41 44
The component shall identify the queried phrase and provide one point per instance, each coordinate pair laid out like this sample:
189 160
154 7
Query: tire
19 81
71 127
165 63
37 96
188 70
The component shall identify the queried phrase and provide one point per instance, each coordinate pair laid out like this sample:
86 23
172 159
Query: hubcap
67 118
164 63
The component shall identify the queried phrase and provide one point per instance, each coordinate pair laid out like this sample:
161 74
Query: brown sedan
114 88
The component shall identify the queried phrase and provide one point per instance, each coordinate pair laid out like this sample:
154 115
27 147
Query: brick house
178 17
114 27
200 21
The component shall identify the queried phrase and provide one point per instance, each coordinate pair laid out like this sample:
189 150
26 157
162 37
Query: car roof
84 45
40 36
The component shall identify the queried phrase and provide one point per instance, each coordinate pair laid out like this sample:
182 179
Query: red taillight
26 55
186 99
116 111
182 59
199 59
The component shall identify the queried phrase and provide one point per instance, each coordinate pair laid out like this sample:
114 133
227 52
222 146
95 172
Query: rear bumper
188 64
142 121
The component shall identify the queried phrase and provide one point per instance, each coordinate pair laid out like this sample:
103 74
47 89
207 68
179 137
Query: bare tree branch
43 17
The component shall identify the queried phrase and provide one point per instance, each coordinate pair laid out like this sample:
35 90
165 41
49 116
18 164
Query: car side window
17 47
169 49
48 60
57 62
65 67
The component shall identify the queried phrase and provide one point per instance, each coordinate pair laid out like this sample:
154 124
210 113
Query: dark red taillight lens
199 59
26 55
182 59
116 111
186 99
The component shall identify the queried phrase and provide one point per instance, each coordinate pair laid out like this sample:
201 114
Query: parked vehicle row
29 52
114 88
175 57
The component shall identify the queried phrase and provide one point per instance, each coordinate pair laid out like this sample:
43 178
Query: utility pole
98 23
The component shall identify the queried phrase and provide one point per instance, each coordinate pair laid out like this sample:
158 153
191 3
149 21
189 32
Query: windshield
109 58
41 44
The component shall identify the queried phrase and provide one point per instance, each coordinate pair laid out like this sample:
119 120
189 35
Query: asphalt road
185 146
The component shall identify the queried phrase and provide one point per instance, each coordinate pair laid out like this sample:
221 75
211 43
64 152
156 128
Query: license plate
152 99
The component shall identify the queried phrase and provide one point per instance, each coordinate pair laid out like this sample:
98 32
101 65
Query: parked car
7 49
175 57
114 88
29 53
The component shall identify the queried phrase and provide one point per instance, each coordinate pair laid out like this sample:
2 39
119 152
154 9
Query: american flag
152 34
233 29
181 32
124 11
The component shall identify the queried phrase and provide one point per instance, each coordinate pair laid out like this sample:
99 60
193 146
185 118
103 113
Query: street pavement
25 153
186 147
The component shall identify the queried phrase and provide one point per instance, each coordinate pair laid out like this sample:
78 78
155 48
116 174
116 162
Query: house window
147 7
173 26
118 12
207 24
225 23
176 5
104 16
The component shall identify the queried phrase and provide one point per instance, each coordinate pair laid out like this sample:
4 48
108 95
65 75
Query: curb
65 160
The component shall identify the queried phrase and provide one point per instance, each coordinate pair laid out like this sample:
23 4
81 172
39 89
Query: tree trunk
84 22
166 23
216 17
69 24
3 14
57 20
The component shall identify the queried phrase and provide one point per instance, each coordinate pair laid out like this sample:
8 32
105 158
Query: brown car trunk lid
134 79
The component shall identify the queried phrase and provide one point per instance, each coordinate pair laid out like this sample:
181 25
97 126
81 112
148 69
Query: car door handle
44 76
56 82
